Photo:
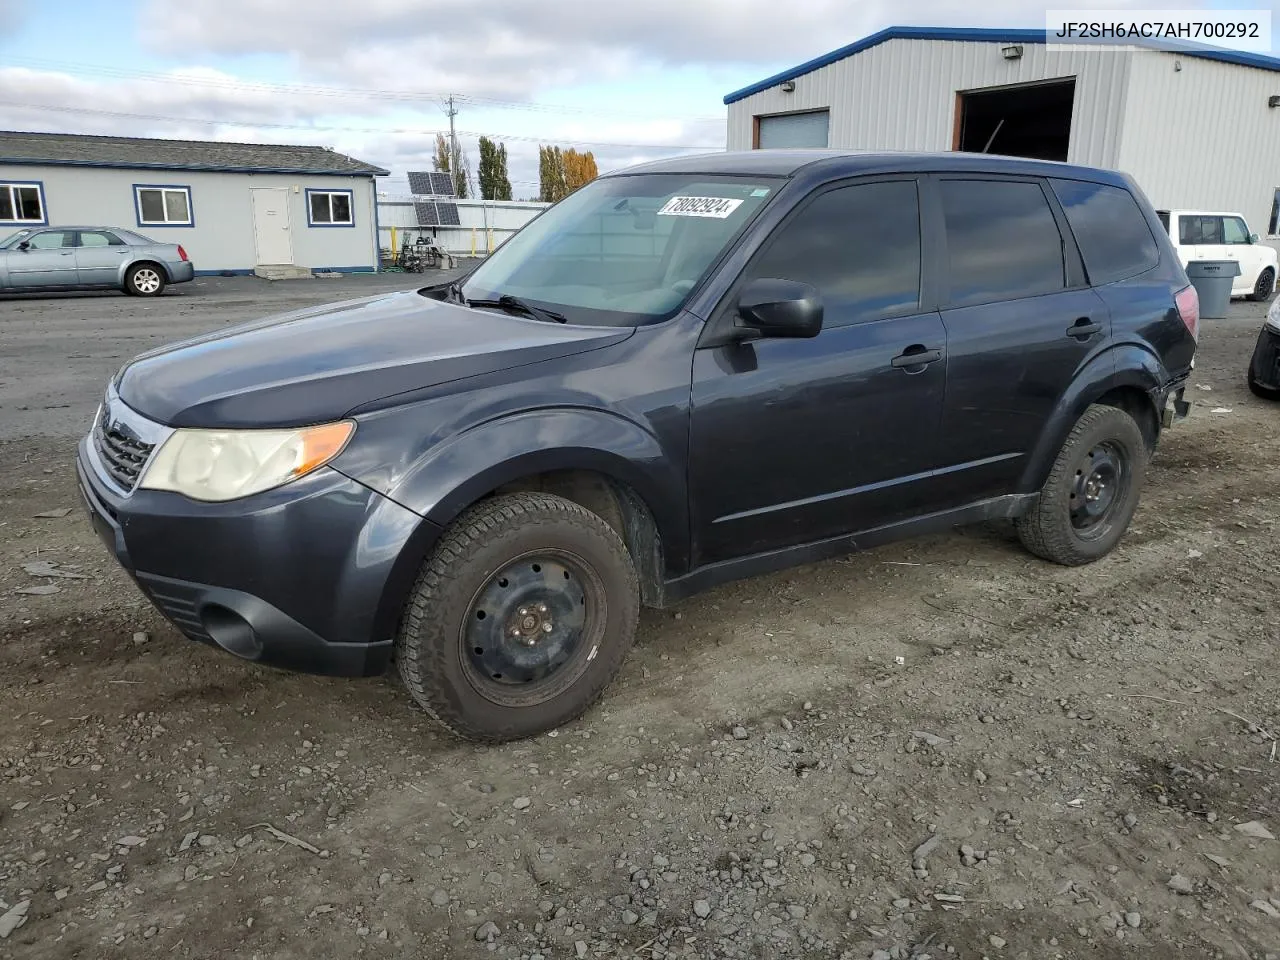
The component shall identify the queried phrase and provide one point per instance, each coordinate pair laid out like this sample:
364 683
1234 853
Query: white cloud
516 48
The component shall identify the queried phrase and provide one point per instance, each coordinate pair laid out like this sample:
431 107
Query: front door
1020 323
99 257
49 260
801 440
1238 246
271 225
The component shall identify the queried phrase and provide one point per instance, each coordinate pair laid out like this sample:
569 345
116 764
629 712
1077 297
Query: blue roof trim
196 167
989 35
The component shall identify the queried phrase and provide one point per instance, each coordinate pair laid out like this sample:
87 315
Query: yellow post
393 242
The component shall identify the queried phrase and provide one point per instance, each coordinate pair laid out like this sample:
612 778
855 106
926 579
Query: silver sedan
87 258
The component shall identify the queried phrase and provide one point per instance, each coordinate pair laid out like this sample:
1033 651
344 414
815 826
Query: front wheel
1263 391
144 280
1264 286
1092 492
520 619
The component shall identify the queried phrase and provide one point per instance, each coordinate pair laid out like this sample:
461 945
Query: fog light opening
231 631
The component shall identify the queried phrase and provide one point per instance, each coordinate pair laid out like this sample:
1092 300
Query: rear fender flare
455 474
1127 365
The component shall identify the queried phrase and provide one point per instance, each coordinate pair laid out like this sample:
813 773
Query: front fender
1126 365
452 475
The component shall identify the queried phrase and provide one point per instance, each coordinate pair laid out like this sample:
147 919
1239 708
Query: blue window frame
163 205
331 208
22 203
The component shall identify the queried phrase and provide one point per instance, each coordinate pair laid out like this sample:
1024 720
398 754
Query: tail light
1188 302
182 254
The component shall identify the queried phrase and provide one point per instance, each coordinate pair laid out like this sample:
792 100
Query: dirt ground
939 748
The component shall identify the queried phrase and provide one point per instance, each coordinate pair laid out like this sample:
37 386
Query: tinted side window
99 239
1002 241
859 245
1234 230
1199 229
51 240
1108 224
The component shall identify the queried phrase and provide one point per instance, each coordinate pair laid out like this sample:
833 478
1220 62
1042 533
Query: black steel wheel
1091 492
1265 285
520 619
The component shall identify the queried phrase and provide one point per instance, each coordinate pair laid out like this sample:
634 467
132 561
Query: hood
316 364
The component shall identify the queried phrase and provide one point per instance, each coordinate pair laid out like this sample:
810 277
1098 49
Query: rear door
1020 321
99 256
797 440
49 260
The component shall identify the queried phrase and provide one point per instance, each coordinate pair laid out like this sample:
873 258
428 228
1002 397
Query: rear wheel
520 619
1092 492
144 280
1264 286
1265 392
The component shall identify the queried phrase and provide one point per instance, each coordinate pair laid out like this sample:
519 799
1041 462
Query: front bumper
1264 367
308 577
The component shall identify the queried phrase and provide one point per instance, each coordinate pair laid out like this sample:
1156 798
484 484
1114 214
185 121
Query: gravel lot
940 748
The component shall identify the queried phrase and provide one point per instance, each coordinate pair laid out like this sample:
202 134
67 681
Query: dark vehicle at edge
1264 365
686 372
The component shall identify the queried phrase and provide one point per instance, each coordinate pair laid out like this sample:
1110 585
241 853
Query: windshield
622 250
12 239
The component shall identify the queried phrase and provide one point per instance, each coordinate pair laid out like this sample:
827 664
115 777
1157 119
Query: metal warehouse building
235 207
1197 130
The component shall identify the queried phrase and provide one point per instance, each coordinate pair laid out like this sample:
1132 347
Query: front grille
123 456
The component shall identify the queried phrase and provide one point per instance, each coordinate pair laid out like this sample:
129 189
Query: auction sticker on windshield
718 207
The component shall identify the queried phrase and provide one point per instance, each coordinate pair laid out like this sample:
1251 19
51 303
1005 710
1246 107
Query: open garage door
1029 120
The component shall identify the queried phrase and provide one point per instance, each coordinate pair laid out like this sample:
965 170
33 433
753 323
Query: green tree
492 171
441 160
502 179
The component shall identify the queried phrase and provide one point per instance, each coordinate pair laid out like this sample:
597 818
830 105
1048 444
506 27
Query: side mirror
780 308
25 245
1253 238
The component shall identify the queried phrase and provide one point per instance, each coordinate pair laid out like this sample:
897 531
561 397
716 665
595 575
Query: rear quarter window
1114 237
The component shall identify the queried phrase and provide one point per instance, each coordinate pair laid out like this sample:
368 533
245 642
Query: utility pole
451 111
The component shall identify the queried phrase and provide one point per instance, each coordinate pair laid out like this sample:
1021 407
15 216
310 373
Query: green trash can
1213 280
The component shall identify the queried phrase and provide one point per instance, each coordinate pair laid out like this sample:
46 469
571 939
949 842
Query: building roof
147 154
981 34
833 162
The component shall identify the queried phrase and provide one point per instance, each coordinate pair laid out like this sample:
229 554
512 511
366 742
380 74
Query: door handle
1083 329
915 358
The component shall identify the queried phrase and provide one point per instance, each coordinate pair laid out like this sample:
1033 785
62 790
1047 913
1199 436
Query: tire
528 562
1060 527
1265 392
144 280
1265 286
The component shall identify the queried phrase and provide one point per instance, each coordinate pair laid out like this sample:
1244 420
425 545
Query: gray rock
440 898
807 859
434 850
1266 908
43 590
997 942
630 917
140 637
901 903
1133 919
922 852
660 861
521 803
862 770
1130 820
56 514
1255 829
881 955
853 915
702 909
46 568
580 948
796 912
130 841
1180 884
932 739
13 918
487 931
740 733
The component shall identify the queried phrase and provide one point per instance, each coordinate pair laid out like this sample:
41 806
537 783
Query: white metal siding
1203 137
901 95
222 238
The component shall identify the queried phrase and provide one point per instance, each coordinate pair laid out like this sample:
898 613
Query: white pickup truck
1206 235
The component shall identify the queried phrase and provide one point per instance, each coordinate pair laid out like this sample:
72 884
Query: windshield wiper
508 302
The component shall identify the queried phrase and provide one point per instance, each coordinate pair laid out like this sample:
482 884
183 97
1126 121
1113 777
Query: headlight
1273 315
226 464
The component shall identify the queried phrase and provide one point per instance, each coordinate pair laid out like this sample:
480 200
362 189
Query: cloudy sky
627 79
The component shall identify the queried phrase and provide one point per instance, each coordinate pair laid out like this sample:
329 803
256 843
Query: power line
325 128
341 93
